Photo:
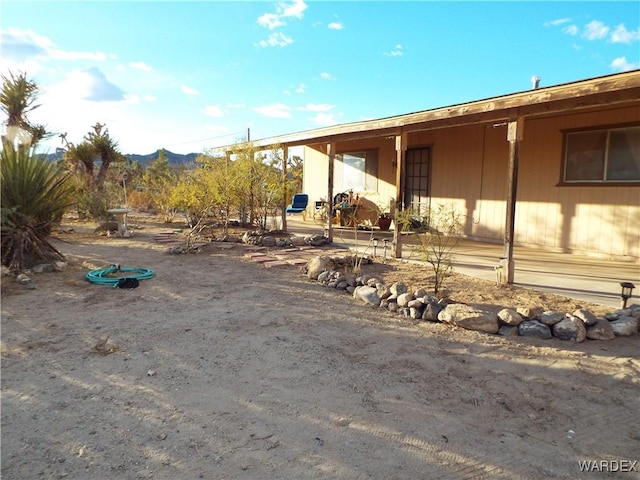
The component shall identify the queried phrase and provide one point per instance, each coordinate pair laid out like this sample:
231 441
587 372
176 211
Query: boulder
404 299
625 326
398 288
600 331
530 313
534 328
586 316
508 331
431 311
550 318
367 294
509 317
383 290
470 318
319 264
570 328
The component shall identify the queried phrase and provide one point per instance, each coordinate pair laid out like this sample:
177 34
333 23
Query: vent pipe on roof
535 82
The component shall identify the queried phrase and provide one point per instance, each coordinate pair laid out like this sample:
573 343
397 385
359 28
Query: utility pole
248 134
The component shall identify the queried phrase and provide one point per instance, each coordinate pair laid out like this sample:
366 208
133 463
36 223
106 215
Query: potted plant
384 221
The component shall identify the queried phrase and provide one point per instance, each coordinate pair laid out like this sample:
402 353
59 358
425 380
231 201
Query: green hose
101 275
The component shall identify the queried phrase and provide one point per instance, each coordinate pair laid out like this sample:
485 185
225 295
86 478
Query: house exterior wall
469 172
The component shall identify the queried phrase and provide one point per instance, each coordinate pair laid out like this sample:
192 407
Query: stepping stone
255 255
275 263
263 259
297 261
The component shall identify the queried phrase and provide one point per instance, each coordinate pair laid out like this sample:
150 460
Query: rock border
509 321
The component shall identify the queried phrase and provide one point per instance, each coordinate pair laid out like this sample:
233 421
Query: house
555 168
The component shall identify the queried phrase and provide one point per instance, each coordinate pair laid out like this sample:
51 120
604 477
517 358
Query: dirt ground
219 368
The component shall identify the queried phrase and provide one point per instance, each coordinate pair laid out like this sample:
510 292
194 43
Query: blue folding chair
299 204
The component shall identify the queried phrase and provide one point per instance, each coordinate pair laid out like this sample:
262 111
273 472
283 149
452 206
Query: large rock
586 316
383 290
600 331
368 295
398 288
530 313
509 317
533 328
319 264
470 318
570 328
431 311
550 318
508 331
625 326
404 299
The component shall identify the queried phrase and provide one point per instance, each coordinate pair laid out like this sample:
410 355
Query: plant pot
384 223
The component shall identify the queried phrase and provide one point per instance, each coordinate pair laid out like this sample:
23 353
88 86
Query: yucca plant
34 195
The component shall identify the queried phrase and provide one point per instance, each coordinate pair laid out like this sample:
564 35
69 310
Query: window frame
593 183
367 170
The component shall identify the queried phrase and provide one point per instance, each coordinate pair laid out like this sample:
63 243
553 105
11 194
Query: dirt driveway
219 368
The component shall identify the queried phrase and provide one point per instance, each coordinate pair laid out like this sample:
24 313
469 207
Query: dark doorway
416 191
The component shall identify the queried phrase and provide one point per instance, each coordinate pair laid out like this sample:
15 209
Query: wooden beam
331 154
401 152
615 89
285 189
514 136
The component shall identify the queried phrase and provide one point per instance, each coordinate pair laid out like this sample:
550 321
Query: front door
416 192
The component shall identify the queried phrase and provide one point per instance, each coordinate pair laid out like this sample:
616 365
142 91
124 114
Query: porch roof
617 89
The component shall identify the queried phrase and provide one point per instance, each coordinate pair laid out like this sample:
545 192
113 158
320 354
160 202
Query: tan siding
588 215
469 171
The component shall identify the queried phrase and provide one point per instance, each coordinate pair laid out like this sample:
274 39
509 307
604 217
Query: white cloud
317 107
295 9
327 76
324 119
189 90
335 26
278 39
141 66
214 111
622 35
396 52
26 45
91 84
283 12
299 90
270 21
556 22
277 110
149 98
570 30
595 30
621 64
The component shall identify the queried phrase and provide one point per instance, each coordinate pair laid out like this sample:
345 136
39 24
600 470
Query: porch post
515 132
285 190
331 154
401 153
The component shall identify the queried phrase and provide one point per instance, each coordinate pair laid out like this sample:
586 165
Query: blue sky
188 76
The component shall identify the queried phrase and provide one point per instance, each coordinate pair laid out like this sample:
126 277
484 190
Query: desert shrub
34 195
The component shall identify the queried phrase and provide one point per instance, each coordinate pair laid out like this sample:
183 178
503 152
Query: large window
598 156
357 171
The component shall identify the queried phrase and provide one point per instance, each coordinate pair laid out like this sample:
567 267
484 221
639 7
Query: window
597 156
357 171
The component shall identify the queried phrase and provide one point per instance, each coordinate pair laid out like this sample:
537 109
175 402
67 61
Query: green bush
34 196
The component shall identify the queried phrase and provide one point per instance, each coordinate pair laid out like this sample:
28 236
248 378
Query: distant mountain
174 158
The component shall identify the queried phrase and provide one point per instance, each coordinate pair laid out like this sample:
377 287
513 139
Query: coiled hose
101 275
